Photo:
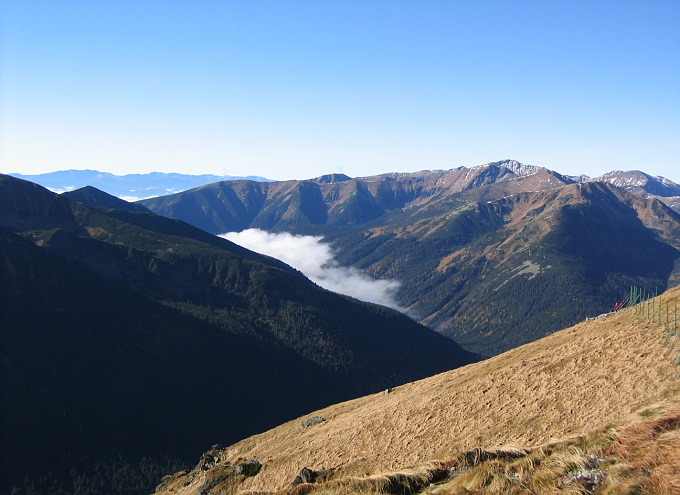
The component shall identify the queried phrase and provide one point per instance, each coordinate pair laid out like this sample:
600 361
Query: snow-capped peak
517 167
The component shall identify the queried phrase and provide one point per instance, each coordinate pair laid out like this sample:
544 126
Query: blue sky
297 89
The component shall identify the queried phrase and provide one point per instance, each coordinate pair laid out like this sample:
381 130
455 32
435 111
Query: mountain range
129 186
132 339
643 184
128 335
494 256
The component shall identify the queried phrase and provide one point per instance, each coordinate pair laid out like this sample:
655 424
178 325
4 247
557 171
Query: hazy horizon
259 177
294 90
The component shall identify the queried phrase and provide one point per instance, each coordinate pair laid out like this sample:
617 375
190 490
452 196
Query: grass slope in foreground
594 408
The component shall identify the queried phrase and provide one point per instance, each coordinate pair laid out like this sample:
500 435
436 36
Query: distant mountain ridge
130 186
336 200
645 185
633 179
521 238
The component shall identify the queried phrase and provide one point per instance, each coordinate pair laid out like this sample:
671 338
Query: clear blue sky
296 89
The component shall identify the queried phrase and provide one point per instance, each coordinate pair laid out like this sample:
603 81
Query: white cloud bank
316 260
132 199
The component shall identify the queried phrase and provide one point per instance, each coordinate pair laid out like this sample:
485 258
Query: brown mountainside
541 250
540 260
610 374
645 185
338 200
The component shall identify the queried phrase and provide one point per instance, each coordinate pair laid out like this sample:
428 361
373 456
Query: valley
493 256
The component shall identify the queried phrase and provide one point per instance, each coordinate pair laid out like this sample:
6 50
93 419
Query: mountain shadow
129 334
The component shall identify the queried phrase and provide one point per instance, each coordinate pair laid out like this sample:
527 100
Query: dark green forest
129 336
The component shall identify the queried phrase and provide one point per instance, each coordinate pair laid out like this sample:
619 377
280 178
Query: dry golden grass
574 384
652 449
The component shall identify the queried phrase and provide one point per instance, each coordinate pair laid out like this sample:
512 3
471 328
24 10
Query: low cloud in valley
316 260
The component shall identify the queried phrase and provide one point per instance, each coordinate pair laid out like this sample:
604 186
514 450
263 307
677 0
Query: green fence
647 306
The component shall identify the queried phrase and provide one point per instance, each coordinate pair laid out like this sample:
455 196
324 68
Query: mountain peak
640 183
27 206
91 196
331 178
127 186
517 167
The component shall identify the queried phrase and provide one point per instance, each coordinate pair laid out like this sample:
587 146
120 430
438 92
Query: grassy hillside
599 397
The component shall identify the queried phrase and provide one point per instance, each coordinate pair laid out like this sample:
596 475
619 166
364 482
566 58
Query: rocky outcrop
306 476
249 468
309 422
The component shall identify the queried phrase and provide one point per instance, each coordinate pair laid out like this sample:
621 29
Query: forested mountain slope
497 274
494 256
128 333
